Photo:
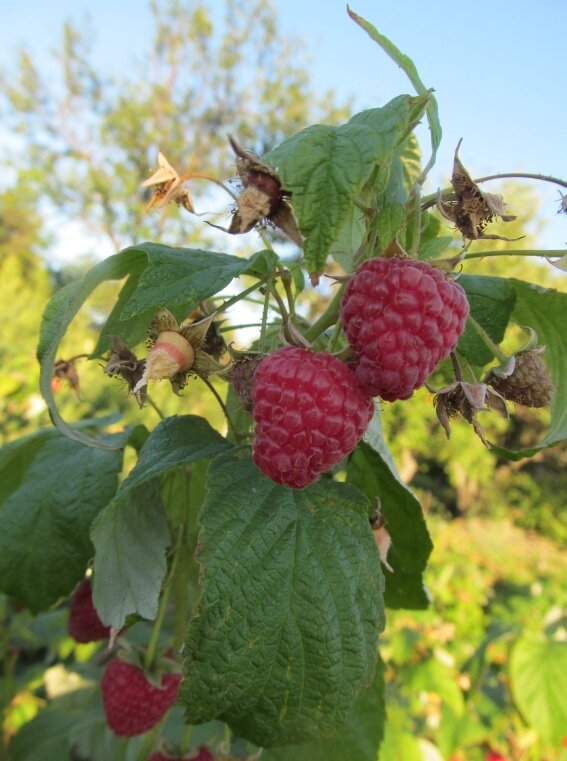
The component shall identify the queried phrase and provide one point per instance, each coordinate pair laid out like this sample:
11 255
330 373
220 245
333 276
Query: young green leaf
284 636
408 66
130 538
325 168
131 535
51 490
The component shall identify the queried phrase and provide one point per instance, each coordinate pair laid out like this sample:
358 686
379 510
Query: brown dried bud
123 362
472 210
530 383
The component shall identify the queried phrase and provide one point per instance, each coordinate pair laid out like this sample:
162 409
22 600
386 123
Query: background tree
89 137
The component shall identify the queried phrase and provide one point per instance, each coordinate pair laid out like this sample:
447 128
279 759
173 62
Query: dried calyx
263 200
123 363
467 400
167 185
471 210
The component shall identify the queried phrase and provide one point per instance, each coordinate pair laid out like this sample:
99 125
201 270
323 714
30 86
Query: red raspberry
309 413
83 624
402 317
133 704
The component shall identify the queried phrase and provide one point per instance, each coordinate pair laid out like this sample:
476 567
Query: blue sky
498 68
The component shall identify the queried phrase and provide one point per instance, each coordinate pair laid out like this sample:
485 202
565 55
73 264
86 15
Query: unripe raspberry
402 317
83 624
171 354
309 413
529 384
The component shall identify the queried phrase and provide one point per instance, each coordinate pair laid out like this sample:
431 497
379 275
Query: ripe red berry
402 317
309 413
133 704
83 624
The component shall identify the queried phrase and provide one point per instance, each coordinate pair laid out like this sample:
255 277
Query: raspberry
133 704
309 413
530 383
84 625
402 317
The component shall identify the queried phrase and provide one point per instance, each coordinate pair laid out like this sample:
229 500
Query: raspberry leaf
538 672
325 169
187 276
131 535
492 301
372 469
545 311
358 740
286 647
57 317
51 490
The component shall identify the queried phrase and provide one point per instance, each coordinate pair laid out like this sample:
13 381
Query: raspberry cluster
402 317
309 413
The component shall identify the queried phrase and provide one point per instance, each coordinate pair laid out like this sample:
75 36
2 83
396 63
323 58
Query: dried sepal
263 200
167 186
467 400
123 363
562 203
472 210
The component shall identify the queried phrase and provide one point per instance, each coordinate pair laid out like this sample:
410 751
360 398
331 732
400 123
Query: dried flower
467 400
263 199
472 210
123 362
527 382
65 370
167 186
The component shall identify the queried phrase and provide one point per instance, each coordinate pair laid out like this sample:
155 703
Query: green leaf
372 469
491 301
285 634
130 538
185 276
538 673
408 66
545 311
358 740
51 490
131 535
325 168
56 320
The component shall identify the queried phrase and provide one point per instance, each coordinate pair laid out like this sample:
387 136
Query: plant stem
266 306
223 406
152 404
516 252
235 299
154 637
328 318
488 342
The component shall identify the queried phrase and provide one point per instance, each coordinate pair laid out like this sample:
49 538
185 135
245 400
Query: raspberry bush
255 549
